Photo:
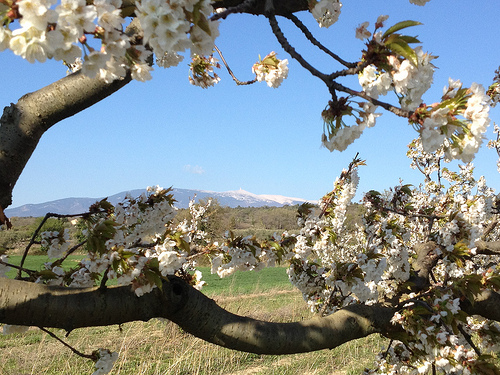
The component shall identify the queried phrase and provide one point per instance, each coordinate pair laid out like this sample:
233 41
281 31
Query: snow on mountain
232 198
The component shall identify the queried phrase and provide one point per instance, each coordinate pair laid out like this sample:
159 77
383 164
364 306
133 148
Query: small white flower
105 362
327 12
361 32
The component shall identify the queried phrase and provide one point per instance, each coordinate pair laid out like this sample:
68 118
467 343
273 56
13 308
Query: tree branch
427 259
396 110
23 303
315 42
292 52
23 124
258 7
488 247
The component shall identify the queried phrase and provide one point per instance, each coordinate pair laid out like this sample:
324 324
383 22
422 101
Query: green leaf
154 278
409 39
153 263
407 189
402 48
203 24
399 26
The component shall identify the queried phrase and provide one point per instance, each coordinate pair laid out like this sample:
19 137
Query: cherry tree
421 270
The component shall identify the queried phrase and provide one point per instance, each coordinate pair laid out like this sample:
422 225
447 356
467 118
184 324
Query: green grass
238 283
35 262
158 348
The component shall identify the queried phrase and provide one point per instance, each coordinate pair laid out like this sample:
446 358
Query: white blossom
326 12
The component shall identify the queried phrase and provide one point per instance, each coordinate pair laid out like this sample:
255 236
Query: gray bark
29 304
23 124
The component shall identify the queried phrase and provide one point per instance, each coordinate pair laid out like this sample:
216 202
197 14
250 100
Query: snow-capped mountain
233 198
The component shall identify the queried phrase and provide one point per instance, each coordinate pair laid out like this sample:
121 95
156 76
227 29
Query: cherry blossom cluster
458 122
51 30
327 12
271 70
337 135
202 71
56 242
135 242
460 215
392 65
335 266
176 25
385 67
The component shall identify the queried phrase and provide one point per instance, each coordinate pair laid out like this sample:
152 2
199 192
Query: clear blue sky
267 141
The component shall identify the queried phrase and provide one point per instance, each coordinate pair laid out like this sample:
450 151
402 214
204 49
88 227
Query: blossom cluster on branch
92 37
419 249
416 250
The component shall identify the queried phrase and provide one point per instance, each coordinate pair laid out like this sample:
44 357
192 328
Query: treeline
260 222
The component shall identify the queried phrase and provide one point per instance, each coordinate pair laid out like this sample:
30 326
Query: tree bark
24 303
258 7
23 124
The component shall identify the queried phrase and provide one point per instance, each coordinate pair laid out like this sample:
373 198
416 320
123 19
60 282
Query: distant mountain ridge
232 199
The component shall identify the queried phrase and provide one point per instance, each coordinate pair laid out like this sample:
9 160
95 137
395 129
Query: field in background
155 347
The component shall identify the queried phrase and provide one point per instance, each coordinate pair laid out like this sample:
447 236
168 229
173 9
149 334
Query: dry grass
154 347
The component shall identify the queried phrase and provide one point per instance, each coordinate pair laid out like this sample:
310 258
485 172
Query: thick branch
25 303
488 247
485 304
427 258
23 124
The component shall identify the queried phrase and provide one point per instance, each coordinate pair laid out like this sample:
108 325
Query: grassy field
155 347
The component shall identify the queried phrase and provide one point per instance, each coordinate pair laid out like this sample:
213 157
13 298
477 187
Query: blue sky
267 141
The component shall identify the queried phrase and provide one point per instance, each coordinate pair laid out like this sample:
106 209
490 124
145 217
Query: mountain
233 198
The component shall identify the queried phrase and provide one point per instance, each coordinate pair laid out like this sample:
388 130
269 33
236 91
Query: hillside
236 198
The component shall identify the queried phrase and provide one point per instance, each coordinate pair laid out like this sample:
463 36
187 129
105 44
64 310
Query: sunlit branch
488 248
488 229
291 50
194 312
389 107
238 82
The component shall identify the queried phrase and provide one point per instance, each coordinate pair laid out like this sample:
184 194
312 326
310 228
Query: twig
238 82
68 253
389 107
469 340
89 356
314 41
292 52
46 217
28 271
